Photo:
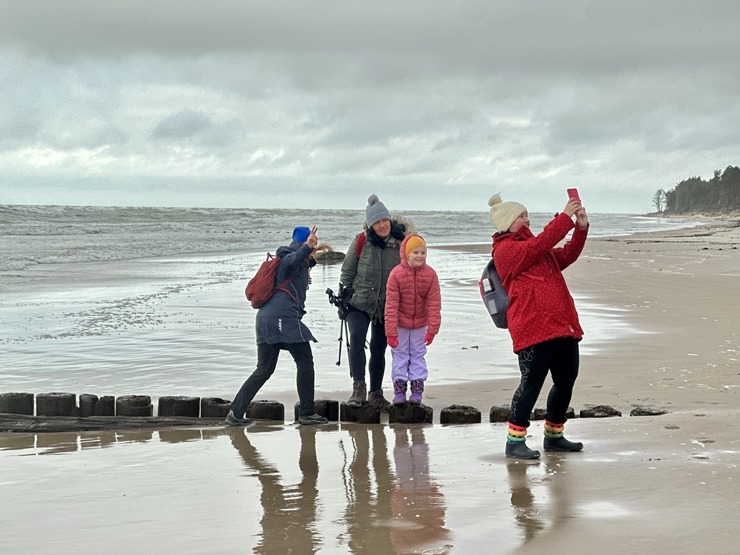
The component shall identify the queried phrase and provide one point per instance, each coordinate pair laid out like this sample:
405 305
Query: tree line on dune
719 194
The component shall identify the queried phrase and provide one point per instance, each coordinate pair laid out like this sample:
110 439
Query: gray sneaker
313 419
233 420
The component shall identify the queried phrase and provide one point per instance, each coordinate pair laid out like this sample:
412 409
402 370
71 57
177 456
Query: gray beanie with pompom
375 211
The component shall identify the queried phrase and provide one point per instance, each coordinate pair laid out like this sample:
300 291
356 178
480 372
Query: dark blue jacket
279 320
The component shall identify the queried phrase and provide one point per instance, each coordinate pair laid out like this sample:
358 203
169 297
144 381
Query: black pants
559 356
358 323
267 358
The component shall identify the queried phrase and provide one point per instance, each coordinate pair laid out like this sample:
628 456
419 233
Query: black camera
341 301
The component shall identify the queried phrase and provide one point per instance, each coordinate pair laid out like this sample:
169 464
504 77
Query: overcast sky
430 104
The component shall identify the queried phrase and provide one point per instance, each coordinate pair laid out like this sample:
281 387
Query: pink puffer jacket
413 299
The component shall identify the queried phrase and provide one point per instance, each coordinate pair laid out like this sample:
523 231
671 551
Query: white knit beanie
375 211
503 214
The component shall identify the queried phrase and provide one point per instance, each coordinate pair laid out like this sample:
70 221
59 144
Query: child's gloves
428 338
393 342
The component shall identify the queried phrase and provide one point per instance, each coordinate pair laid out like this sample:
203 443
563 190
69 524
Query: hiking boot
313 419
359 391
519 450
376 399
233 420
399 387
417 386
560 444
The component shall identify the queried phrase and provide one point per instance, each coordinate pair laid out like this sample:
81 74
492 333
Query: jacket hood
523 233
402 251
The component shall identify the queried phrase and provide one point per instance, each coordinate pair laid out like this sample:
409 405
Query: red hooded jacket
530 267
412 299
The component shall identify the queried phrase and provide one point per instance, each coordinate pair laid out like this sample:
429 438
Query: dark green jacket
368 275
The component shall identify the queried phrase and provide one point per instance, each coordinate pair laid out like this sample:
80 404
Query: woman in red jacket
542 317
412 318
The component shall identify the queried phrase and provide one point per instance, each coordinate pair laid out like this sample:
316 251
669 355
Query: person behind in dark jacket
279 326
365 276
543 322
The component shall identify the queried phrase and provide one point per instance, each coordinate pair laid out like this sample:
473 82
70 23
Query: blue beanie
300 234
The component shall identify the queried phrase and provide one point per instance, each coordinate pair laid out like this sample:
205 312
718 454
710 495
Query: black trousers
267 358
358 323
561 358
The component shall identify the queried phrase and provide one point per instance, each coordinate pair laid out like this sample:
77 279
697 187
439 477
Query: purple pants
408 358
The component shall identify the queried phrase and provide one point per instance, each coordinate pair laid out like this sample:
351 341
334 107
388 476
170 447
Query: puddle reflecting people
368 482
543 322
279 326
417 502
527 512
289 511
412 318
364 273
541 497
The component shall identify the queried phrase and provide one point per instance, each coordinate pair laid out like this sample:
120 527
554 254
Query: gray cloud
245 97
183 124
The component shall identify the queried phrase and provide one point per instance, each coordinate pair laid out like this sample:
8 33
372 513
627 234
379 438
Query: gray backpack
494 295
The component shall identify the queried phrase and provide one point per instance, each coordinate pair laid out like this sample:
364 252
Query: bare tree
659 200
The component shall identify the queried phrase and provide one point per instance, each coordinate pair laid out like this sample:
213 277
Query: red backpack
261 287
360 244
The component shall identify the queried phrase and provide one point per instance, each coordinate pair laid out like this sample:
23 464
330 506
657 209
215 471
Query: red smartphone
573 193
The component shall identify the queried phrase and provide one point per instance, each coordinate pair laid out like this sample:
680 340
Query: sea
150 300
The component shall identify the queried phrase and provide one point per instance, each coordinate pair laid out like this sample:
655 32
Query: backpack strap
360 244
283 286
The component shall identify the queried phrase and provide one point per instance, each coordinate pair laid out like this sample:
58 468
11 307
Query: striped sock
553 431
516 434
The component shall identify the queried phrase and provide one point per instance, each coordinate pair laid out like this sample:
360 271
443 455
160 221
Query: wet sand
660 483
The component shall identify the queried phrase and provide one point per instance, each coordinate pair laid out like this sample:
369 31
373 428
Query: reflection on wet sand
344 488
523 501
540 495
289 511
418 505
367 481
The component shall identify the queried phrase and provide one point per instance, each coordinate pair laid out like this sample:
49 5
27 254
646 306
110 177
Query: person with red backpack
279 326
365 270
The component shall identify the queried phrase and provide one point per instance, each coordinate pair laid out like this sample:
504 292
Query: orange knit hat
414 242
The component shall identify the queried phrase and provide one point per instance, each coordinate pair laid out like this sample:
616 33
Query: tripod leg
341 333
346 332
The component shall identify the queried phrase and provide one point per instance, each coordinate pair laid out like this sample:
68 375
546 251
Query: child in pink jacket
412 318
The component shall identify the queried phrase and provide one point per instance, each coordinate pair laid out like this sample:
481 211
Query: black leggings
267 359
559 356
358 323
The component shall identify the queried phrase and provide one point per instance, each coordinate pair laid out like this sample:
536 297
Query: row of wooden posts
65 405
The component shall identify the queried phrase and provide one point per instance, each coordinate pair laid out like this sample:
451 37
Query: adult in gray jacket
365 272
279 326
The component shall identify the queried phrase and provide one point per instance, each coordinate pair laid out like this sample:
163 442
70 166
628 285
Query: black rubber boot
519 450
562 445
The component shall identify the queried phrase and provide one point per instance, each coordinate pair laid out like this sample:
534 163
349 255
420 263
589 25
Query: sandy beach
658 484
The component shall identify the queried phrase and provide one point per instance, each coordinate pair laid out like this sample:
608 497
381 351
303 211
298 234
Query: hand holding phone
573 193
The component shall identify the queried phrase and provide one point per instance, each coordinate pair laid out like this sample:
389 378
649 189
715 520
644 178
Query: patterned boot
399 388
516 446
417 386
555 441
